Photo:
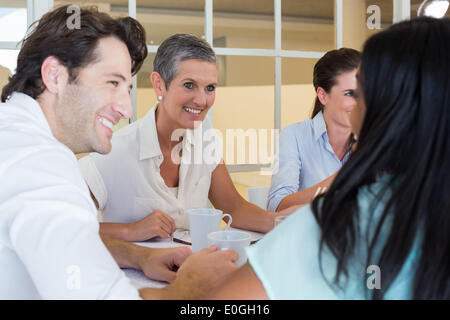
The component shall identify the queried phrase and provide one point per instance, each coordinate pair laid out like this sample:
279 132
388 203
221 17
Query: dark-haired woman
381 231
312 151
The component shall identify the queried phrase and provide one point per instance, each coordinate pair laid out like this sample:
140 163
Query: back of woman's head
405 83
405 79
329 67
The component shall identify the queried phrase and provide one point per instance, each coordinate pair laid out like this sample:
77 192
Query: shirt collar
148 135
319 126
32 106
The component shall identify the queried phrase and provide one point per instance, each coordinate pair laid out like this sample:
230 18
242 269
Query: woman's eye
188 85
210 88
349 94
114 83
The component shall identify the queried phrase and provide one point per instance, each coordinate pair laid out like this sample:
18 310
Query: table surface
138 278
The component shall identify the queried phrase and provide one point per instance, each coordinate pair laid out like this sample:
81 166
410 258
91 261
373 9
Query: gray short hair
177 48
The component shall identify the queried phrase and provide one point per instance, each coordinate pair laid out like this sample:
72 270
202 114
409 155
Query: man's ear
322 96
54 74
158 84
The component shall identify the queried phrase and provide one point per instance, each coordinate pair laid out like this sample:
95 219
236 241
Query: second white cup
203 221
232 240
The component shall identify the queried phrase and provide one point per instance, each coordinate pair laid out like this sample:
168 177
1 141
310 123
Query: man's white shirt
49 242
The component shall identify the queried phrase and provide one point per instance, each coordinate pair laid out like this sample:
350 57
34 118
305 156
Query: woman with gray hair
159 165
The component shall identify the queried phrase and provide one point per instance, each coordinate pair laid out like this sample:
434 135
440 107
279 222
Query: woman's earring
159 98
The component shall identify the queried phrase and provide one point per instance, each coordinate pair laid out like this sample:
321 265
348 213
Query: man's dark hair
73 47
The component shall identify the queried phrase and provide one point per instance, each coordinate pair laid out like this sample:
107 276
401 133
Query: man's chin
102 148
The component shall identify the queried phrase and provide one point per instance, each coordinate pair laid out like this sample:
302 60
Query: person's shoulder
375 188
373 197
299 128
297 132
293 247
18 120
40 156
30 136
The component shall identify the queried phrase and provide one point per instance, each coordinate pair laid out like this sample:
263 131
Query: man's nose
123 106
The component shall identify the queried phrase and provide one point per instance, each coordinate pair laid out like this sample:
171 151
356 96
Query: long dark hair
405 82
74 47
329 67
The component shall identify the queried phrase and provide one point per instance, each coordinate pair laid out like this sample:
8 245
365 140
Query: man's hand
156 224
156 263
162 264
197 276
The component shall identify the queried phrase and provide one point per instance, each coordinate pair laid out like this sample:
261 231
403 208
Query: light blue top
286 260
305 158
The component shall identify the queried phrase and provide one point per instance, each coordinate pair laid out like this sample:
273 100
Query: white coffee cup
232 240
203 221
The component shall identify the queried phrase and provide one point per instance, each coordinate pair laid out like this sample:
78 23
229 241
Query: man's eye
210 88
188 85
114 83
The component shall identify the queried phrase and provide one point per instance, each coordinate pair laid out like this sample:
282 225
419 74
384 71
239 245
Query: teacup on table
233 240
202 222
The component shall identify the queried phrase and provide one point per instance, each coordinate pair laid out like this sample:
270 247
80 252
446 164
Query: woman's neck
339 136
165 130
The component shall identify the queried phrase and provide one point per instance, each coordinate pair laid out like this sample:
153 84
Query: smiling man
71 86
82 112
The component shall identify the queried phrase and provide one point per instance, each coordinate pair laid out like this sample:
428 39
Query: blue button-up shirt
305 159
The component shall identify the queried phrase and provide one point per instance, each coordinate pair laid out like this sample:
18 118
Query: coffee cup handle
230 219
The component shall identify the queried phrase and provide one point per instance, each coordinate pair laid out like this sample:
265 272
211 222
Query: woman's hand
156 224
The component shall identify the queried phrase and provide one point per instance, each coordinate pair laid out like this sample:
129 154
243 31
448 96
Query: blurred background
266 51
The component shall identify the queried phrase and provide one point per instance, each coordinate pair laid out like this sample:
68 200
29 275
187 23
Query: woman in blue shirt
381 231
312 151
